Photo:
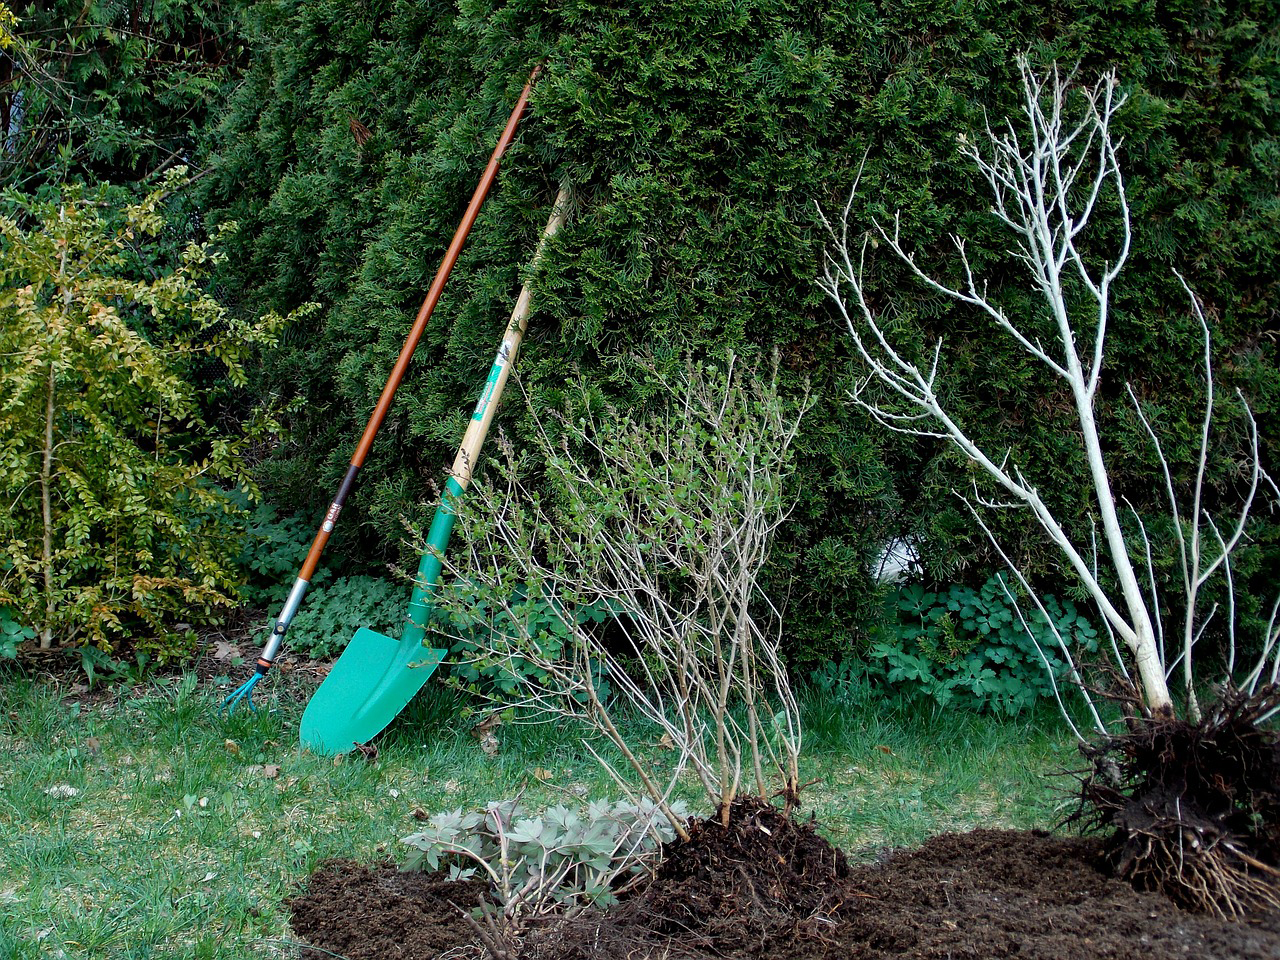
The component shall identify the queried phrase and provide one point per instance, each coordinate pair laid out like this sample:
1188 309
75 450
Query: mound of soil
768 887
354 911
757 884
995 893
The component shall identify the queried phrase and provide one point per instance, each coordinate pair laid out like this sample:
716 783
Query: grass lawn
142 824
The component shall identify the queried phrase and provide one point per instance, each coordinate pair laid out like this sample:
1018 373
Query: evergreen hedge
699 134
111 91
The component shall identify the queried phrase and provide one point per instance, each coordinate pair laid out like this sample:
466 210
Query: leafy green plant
271 554
970 647
8 21
119 523
560 859
338 609
848 682
106 91
474 622
669 518
13 633
99 666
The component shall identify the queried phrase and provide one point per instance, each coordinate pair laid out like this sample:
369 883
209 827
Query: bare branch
1035 183
1062 644
667 525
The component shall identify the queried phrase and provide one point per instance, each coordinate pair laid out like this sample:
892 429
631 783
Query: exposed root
1194 808
763 881
1196 865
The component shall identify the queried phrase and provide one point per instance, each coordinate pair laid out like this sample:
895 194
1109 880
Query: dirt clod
1193 809
762 880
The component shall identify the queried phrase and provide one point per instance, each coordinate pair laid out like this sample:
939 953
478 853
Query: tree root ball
1193 809
764 880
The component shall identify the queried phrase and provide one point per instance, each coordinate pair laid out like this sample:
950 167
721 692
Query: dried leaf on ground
222 650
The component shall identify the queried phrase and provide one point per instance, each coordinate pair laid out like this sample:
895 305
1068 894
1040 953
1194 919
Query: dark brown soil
222 659
355 911
768 888
751 889
995 893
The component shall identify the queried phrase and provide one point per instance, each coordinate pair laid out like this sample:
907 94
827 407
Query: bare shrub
665 521
1050 174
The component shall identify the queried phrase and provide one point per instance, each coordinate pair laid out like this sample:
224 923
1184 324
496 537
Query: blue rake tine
241 694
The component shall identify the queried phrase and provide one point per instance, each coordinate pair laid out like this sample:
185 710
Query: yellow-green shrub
117 521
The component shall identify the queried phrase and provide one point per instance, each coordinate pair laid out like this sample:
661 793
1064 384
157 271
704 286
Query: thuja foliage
117 519
699 134
108 90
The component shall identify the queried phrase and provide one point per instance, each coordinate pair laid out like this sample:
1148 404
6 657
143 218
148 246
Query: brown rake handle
393 382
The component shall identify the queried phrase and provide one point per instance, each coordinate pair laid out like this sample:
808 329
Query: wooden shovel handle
478 428
301 584
431 565
442 274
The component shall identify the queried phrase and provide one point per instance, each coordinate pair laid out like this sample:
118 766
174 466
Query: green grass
893 774
187 830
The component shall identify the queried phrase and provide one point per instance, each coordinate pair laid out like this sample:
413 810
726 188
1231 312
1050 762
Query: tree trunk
46 506
46 464
1155 688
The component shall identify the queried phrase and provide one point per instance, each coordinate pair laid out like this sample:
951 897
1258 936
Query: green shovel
377 676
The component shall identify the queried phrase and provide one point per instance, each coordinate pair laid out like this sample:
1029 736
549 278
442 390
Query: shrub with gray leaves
559 859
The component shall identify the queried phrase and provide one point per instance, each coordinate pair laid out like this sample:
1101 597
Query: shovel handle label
486 397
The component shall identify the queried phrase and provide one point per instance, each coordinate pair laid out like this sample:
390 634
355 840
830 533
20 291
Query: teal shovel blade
373 680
